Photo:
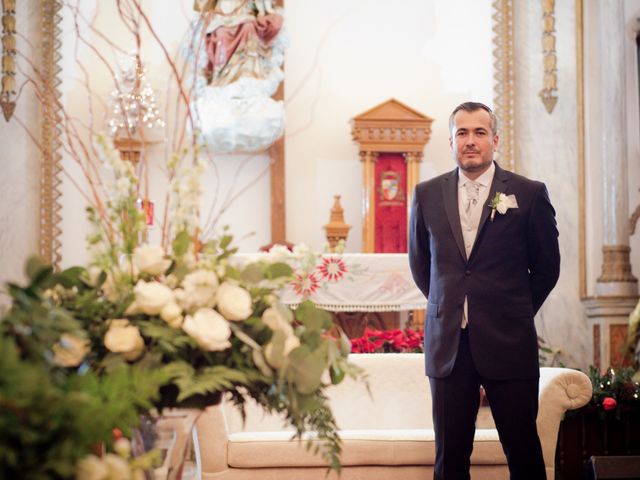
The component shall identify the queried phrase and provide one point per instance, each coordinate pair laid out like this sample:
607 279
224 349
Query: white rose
150 259
276 358
200 289
502 204
278 253
209 329
234 302
290 343
301 250
91 468
70 350
283 332
276 321
172 314
93 273
122 447
151 297
110 289
124 338
118 467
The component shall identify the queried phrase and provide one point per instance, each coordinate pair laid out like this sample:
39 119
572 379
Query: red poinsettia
305 284
389 341
332 268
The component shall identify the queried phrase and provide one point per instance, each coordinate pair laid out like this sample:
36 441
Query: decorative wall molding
504 87
8 87
550 59
580 126
51 168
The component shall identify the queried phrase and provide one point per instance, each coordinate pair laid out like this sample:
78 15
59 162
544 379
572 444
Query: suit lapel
450 193
499 184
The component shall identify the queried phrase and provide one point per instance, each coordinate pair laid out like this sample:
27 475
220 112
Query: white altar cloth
356 282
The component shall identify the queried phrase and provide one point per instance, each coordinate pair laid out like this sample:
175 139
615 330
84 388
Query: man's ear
451 144
496 141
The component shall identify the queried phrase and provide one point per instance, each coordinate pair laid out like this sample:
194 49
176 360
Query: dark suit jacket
514 264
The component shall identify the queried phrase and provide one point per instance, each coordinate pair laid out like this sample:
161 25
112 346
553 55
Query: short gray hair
472 107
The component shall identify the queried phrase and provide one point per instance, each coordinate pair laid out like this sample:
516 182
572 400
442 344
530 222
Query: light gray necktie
473 189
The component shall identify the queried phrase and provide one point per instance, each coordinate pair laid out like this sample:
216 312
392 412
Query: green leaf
211 379
252 273
336 374
277 270
71 277
312 317
306 368
181 243
37 270
225 241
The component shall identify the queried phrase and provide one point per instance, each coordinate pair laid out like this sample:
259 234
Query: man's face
472 141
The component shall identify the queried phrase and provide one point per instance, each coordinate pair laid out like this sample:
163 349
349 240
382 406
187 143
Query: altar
360 289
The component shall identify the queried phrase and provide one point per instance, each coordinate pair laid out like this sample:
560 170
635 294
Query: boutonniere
502 203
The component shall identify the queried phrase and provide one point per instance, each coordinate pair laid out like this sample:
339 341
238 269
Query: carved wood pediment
391 126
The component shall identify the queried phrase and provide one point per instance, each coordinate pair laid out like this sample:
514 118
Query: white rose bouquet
202 323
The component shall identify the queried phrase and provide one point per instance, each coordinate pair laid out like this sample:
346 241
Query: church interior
235 133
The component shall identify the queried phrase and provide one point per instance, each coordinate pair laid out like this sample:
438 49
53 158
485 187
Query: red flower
305 284
394 341
332 268
609 403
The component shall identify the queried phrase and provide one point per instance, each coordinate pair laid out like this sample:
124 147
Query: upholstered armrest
213 437
561 389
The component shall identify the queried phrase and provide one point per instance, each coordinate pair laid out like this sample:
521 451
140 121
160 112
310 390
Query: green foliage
313 318
49 419
209 379
285 363
614 391
51 416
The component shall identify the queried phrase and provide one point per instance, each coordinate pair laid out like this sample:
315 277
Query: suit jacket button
467 273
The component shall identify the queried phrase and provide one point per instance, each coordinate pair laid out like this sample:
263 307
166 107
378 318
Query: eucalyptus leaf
252 273
277 270
312 317
181 243
306 368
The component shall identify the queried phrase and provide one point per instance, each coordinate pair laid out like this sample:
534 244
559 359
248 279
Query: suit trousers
514 406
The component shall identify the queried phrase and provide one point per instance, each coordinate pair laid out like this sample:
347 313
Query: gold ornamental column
368 160
413 174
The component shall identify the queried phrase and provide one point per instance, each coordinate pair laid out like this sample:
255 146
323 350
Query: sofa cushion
360 447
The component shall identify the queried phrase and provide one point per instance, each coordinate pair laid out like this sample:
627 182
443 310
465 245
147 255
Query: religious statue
244 47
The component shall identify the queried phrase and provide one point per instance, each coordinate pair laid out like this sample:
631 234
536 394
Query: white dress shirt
469 221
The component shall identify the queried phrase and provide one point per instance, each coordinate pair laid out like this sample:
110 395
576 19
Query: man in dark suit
483 248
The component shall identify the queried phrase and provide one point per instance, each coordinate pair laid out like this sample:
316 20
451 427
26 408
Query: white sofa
386 435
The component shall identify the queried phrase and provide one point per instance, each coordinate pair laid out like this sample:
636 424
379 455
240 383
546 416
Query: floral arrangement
389 341
176 322
614 393
52 415
188 319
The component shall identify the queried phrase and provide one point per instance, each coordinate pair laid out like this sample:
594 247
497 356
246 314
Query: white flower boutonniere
502 203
